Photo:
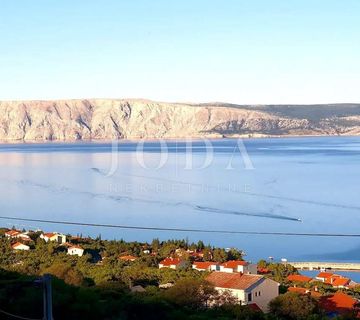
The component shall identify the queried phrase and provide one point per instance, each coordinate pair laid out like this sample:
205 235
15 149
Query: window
249 297
259 294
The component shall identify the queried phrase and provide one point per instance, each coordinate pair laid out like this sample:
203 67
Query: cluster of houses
236 277
335 304
21 241
334 280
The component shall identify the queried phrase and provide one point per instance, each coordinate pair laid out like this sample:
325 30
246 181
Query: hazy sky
270 51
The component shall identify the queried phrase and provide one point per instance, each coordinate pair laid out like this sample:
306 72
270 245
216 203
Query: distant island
97 119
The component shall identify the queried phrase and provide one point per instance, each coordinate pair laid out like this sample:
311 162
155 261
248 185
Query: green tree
219 255
193 293
293 306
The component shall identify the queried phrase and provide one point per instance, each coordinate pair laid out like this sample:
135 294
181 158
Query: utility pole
47 297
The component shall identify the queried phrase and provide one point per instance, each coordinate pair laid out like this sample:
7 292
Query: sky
245 52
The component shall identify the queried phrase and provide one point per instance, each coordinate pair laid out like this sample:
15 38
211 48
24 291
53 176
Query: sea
286 198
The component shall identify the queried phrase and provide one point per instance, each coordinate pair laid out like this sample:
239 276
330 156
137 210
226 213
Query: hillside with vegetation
122 280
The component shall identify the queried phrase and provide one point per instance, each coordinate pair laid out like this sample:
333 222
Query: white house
17 234
238 266
205 266
57 237
172 263
12 233
323 276
20 246
246 288
75 250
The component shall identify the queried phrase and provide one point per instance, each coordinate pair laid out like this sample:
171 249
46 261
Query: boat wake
125 198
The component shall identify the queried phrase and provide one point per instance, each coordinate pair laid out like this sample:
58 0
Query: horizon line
180 102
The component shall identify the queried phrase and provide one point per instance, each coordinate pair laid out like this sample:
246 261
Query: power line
17 316
306 234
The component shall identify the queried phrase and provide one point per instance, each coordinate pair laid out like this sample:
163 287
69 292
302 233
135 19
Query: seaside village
250 284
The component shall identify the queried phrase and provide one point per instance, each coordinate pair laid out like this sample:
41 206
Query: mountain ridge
107 119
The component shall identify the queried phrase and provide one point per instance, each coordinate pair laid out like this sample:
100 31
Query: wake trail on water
245 193
124 198
221 211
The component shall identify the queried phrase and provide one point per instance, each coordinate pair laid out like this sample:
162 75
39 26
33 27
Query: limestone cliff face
69 120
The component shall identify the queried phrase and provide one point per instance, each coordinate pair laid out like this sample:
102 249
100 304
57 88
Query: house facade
56 237
246 288
205 266
17 234
75 250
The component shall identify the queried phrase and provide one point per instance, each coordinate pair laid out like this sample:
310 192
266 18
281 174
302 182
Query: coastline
174 139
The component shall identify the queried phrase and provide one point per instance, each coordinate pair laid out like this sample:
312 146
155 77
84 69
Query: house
23 237
335 280
12 233
323 276
20 246
205 266
298 278
17 234
341 283
172 263
247 288
57 237
338 303
75 250
299 290
128 258
238 266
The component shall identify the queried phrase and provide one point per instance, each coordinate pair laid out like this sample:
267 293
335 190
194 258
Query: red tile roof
170 261
339 302
263 270
233 280
204 265
298 278
12 232
234 264
298 290
341 282
254 307
128 258
324 275
49 235
17 244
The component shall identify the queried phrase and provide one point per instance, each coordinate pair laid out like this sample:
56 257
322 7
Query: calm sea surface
301 185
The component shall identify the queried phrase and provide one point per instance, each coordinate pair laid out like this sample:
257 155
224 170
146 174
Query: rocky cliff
96 119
